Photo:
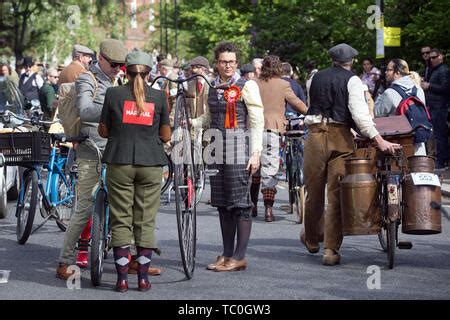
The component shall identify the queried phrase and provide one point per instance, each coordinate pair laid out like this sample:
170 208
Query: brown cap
113 50
167 63
200 61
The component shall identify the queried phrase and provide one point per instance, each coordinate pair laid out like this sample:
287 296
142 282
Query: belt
272 131
329 124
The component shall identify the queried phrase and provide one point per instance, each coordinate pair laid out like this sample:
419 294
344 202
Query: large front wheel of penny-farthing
184 182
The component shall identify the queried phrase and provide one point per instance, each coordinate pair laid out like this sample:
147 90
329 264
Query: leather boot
268 215
254 192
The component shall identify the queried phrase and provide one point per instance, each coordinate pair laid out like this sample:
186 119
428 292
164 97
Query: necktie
199 86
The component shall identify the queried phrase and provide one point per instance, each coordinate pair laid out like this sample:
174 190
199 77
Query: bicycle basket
25 148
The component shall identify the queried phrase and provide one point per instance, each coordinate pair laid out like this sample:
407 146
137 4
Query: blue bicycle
37 151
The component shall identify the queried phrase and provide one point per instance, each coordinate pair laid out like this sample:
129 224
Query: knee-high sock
228 228
244 228
144 257
121 262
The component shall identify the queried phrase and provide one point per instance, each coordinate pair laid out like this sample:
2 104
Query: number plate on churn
425 178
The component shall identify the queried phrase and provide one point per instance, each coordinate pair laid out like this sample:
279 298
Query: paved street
279 266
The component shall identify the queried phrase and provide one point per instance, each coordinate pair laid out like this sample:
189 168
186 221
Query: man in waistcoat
337 105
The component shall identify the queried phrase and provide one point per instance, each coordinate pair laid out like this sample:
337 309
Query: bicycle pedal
405 245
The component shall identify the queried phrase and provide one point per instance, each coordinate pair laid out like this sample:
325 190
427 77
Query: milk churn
421 197
359 198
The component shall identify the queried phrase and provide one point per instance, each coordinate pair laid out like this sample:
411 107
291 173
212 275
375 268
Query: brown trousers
325 149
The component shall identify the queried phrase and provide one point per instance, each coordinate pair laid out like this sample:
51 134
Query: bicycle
294 143
186 176
36 151
100 239
391 173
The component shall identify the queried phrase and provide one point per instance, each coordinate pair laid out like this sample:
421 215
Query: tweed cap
342 53
200 61
78 48
114 50
167 63
138 57
247 68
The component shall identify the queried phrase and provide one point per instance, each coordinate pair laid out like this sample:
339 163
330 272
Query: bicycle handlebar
6 115
178 81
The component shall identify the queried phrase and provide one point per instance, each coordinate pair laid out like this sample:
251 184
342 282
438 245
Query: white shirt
358 109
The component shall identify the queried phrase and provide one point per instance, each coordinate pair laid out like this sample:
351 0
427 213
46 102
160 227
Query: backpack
416 112
68 112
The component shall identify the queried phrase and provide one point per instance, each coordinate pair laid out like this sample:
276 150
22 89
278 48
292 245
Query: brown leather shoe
219 262
134 266
232 265
144 285
61 271
122 286
268 214
331 257
311 248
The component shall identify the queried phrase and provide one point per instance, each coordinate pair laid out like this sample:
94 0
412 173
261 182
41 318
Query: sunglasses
433 57
54 77
113 64
426 52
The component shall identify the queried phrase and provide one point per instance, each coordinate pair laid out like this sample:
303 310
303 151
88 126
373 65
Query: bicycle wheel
391 237
66 190
184 181
382 234
26 205
98 239
167 176
291 181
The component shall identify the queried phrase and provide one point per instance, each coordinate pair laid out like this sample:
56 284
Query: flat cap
138 57
247 68
167 63
342 53
114 50
200 61
78 48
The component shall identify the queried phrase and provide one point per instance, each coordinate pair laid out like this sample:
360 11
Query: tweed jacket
274 94
71 72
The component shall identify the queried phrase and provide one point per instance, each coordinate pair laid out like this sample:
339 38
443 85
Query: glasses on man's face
433 57
113 65
388 70
224 63
426 52
56 77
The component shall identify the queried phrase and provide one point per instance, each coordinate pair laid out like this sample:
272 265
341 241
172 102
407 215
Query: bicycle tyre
26 209
382 234
167 176
299 207
67 209
391 238
98 238
184 182
291 182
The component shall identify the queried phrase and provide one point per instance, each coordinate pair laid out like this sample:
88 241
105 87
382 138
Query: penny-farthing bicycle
185 176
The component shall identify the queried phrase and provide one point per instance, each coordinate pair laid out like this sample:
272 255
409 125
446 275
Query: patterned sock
144 257
121 262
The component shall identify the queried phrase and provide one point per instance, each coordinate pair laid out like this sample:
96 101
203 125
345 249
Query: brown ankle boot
268 215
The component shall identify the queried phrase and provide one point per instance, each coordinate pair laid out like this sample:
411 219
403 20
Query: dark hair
225 47
271 68
286 68
400 66
368 59
8 66
138 83
160 57
436 50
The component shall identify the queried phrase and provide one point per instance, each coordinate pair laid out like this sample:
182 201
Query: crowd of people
132 121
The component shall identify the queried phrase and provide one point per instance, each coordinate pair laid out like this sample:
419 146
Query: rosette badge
232 95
